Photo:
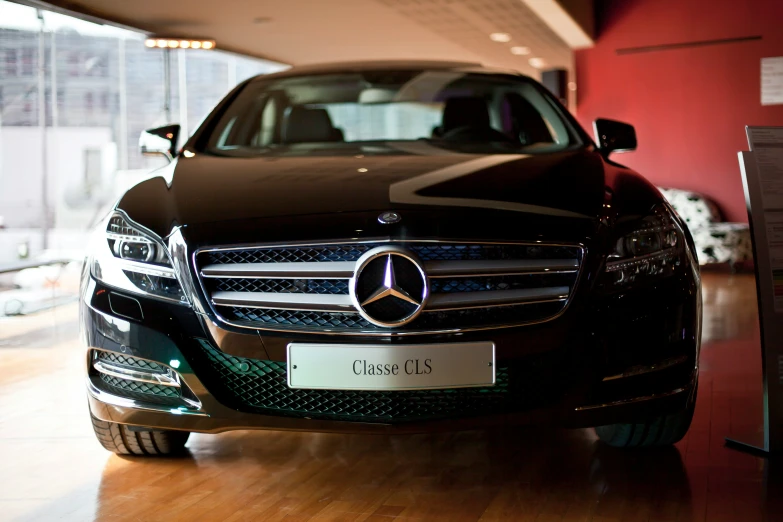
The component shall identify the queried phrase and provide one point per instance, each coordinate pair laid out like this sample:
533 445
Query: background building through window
70 119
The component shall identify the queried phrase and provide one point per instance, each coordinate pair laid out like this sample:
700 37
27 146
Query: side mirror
614 136
161 140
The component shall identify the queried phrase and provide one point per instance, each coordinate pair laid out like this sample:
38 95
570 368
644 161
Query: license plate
390 367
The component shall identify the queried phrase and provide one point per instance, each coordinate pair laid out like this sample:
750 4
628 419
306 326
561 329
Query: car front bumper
620 359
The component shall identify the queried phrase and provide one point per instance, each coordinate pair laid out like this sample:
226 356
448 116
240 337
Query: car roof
377 65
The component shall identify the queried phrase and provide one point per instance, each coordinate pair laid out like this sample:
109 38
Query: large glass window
74 97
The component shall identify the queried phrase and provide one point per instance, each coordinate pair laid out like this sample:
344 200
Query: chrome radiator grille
306 288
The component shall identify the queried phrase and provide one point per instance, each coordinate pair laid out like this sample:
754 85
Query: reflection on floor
51 468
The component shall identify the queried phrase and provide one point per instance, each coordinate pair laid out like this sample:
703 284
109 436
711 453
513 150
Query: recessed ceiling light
571 86
538 63
500 37
520 51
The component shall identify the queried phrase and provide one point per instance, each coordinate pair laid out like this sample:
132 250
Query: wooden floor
51 468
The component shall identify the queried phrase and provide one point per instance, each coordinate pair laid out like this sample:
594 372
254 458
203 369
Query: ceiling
308 31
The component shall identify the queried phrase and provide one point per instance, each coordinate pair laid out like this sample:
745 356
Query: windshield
470 112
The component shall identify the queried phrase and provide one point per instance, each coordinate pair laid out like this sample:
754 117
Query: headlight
646 249
129 257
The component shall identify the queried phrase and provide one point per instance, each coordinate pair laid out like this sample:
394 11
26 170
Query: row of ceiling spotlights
179 43
171 43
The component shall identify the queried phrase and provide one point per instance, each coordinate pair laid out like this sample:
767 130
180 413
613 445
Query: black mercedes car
390 247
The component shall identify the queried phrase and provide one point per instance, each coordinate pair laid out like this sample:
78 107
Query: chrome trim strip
641 370
286 301
345 269
164 379
385 240
502 267
180 258
309 270
631 401
489 298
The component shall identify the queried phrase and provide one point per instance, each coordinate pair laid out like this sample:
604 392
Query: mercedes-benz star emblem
387 218
389 287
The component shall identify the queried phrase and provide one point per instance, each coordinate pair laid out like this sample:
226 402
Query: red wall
689 106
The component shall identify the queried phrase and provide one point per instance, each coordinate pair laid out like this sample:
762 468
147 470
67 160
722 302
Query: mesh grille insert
298 318
140 387
446 320
515 282
308 254
472 252
139 391
298 286
258 386
425 251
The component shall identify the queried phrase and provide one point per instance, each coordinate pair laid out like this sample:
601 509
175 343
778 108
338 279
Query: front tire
656 432
124 440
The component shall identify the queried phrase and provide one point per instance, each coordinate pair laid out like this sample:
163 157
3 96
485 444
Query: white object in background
38 278
772 81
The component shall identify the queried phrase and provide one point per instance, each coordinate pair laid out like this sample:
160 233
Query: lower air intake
137 390
258 386
140 391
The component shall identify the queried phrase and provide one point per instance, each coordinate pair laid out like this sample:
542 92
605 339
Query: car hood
207 189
